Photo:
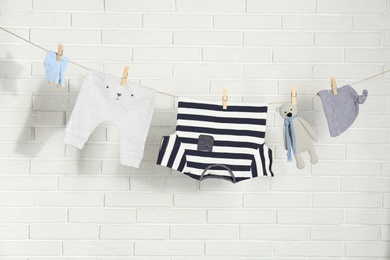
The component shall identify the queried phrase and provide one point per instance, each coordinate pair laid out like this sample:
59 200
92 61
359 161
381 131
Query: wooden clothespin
224 99
334 86
293 95
125 74
60 51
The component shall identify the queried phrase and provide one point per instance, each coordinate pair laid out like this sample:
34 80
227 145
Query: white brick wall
57 202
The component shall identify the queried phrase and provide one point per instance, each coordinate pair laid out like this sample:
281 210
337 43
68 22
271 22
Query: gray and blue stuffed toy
298 135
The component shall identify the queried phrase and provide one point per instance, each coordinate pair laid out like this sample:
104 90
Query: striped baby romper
210 142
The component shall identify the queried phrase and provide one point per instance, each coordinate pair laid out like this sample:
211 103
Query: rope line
75 63
373 76
40 47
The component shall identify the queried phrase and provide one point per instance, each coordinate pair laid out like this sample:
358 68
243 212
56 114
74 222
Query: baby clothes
55 69
341 109
102 98
217 143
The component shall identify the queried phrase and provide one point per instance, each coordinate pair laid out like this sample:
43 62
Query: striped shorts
210 142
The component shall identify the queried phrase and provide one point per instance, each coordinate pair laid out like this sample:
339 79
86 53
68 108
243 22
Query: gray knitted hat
341 109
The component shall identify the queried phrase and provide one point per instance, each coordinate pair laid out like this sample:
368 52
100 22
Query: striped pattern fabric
238 147
342 109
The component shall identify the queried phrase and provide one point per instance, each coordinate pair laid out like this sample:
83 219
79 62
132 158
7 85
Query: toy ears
278 109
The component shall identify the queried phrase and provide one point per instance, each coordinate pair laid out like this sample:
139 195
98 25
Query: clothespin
124 77
334 86
60 51
224 99
293 95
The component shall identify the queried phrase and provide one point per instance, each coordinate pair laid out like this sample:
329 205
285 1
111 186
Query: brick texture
57 202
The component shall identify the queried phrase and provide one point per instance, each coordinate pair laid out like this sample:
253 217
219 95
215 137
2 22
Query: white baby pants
101 99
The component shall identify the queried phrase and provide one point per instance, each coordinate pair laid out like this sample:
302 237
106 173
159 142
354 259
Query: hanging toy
298 135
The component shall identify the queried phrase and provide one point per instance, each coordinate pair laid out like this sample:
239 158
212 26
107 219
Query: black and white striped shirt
237 135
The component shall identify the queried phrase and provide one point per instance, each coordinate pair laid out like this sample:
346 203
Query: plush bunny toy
298 135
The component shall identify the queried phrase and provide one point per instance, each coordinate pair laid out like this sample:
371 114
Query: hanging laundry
342 109
298 135
102 98
55 69
211 142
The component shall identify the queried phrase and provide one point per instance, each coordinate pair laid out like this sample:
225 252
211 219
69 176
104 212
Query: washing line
75 63
40 47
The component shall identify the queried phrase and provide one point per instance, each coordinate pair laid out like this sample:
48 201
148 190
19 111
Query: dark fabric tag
205 143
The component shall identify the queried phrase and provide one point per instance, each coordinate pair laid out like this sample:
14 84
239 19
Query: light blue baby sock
55 69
